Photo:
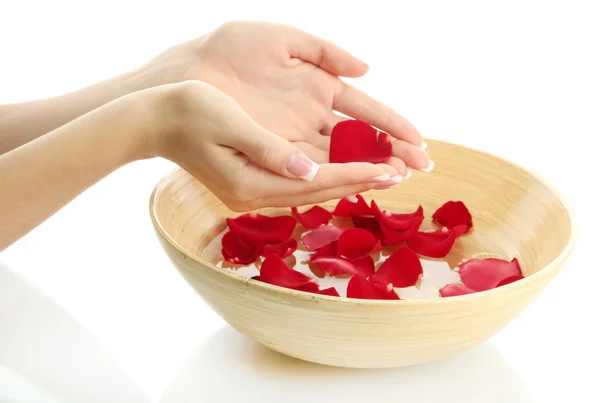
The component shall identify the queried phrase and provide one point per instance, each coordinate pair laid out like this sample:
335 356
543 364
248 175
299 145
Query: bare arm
42 176
24 122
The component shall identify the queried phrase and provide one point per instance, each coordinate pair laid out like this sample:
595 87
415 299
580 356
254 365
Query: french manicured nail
303 167
429 167
408 174
423 146
380 178
393 181
352 199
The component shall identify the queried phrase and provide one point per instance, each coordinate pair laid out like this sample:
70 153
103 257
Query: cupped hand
288 81
206 132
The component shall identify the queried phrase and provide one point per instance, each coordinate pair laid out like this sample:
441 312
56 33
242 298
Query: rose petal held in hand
454 290
258 229
402 269
453 214
356 243
282 250
432 244
274 271
485 274
346 208
362 288
336 265
357 141
313 218
321 236
235 250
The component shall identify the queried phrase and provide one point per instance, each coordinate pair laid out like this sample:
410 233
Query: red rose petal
453 214
362 288
331 291
454 290
346 208
235 250
370 224
485 274
328 250
258 229
355 243
509 280
396 237
460 230
357 141
313 218
433 244
321 236
402 269
274 271
282 250
335 266
398 221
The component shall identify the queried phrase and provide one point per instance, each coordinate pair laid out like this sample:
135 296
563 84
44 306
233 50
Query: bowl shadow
230 367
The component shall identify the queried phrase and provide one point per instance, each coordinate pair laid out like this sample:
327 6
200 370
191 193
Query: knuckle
262 151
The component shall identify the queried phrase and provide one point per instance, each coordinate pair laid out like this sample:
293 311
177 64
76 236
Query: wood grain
516 214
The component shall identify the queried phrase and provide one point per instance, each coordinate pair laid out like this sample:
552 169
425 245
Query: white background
90 308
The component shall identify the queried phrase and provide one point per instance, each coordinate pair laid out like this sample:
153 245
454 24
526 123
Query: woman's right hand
209 135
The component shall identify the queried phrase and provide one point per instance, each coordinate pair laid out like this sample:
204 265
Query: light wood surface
515 214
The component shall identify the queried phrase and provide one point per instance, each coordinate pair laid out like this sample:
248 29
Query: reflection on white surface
229 367
46 356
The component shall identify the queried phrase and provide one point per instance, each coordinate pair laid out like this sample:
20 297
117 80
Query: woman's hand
287 81
210 135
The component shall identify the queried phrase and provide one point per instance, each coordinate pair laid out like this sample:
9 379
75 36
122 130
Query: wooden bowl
515 214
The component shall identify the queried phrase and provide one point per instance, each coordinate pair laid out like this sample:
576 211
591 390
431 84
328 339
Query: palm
288 82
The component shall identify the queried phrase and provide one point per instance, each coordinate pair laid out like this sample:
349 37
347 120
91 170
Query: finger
353 102
267 184
321 142
412 156
330 123
398 166
324 54
314 152
273 152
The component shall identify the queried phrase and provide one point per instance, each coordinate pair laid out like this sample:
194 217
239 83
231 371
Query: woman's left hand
288 82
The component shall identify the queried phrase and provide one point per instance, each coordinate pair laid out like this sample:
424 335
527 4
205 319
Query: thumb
275 153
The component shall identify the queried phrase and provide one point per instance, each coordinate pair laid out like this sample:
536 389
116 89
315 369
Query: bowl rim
562 257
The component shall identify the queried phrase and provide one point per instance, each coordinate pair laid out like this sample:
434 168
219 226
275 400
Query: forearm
24 122
42 176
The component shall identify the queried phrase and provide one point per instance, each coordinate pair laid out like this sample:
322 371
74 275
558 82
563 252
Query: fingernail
380 178
423 145
303 167
393 181
408 174
429 167
352 199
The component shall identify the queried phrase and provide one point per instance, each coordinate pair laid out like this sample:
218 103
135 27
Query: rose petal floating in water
313 218
356 243
485 274
454 290
432 244
336 265
453 214
282 250
235 250
359 287
257 229
402 269
321 236
346 208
